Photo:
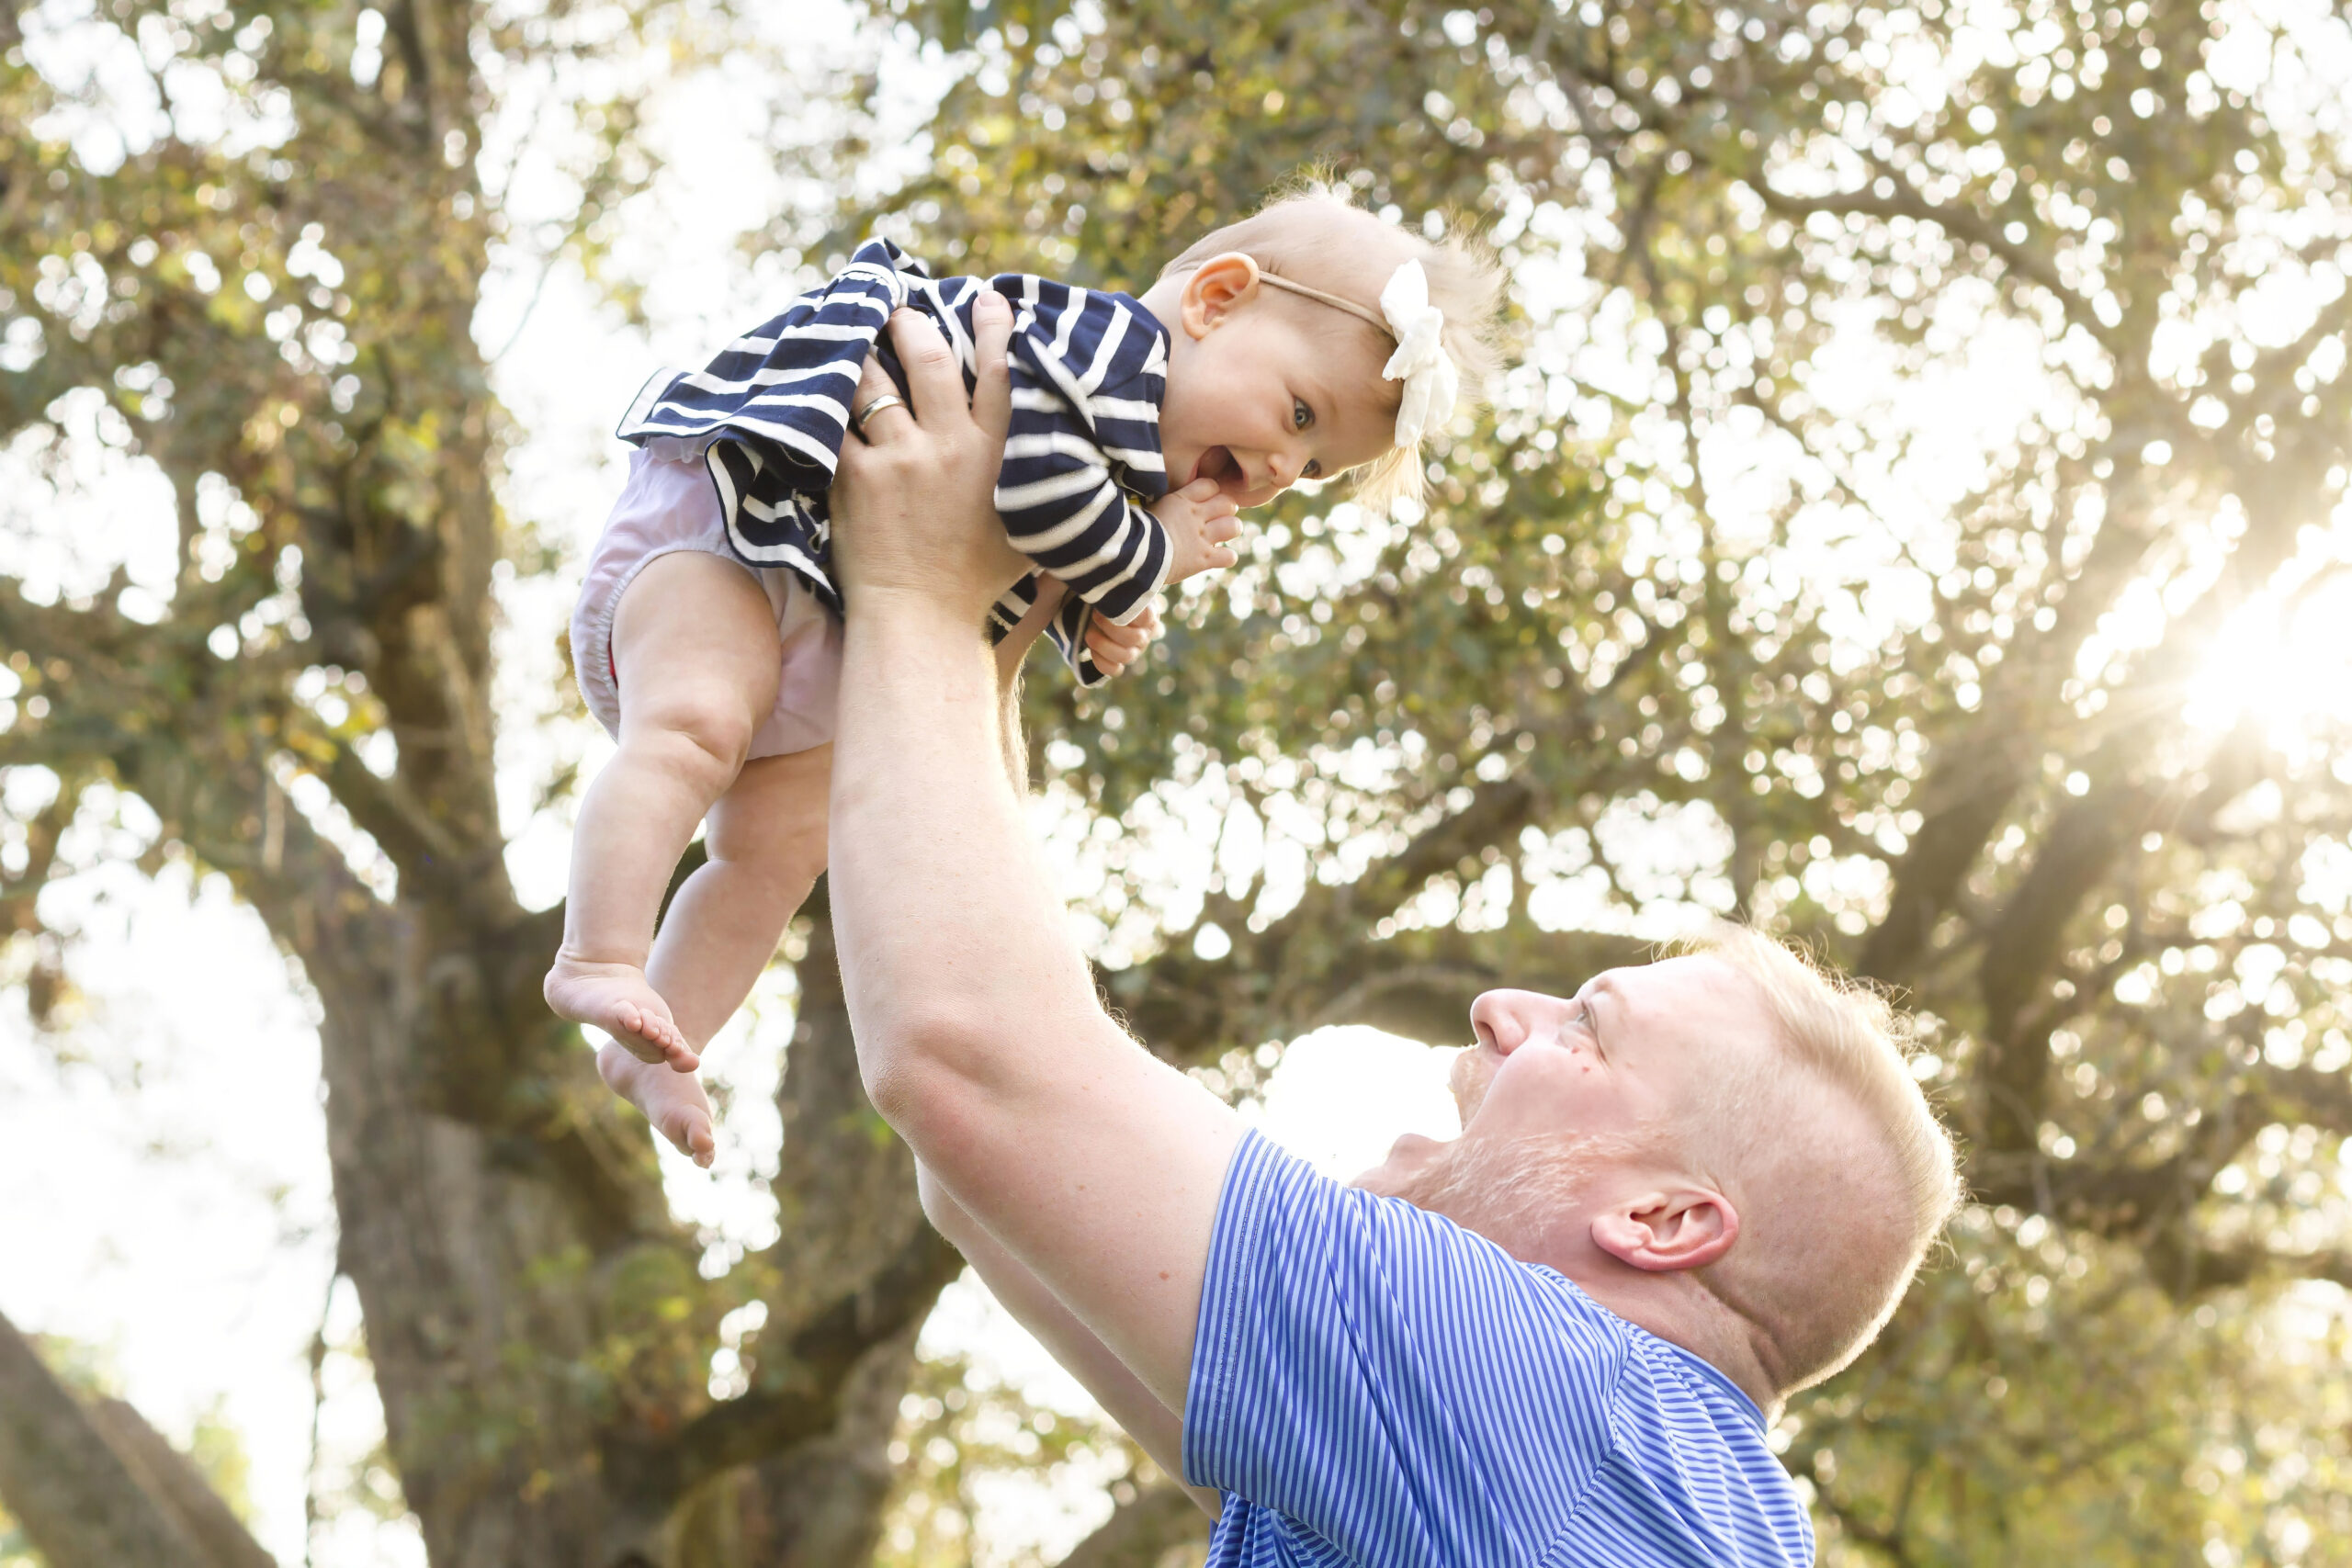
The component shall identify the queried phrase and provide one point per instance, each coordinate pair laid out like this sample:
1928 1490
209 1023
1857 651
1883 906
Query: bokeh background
1914 521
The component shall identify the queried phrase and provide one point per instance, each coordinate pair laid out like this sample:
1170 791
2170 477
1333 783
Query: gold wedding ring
887 401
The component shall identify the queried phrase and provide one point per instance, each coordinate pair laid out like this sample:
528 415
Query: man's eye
1301 416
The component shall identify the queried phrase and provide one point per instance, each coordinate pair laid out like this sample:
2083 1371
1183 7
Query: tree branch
166 1474
1191 1009
1421 984
85 1488
2187 1269
1966 228
2022 951
1138 1533
803 1378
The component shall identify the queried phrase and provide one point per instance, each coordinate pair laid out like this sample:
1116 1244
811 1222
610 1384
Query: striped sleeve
1087 370
787 384
1399 1386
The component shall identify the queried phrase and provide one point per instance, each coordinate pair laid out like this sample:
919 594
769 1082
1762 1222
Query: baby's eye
1301 416
1314 470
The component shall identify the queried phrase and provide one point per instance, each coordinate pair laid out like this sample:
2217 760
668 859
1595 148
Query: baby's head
1274 367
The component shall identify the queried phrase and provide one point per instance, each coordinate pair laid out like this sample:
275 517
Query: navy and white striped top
1374 1385
1088 370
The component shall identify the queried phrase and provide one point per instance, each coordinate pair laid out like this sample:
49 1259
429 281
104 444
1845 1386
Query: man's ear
1217 288
1662 1233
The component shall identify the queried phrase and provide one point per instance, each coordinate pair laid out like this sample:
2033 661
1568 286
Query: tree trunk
540 1330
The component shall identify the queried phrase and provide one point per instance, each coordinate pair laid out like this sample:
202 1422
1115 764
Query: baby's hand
1115 647
1200 520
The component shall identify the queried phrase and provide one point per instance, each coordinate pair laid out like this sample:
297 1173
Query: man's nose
1504 1020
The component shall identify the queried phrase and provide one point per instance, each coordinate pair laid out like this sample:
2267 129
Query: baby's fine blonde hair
1312 233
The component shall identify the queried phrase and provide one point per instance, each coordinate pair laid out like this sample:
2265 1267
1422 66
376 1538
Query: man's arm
1156 1427
1093 1164
1009 653
1114 646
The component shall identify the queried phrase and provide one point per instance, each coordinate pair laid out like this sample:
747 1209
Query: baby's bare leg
766 842
695 644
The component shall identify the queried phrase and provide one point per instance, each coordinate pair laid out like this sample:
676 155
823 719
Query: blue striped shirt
1082 458
1373 1385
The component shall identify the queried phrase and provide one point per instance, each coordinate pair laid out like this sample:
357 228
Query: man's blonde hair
1822 1268
1311 232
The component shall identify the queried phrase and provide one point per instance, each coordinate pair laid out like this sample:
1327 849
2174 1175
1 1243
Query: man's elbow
946 1216
918 1072
958 1081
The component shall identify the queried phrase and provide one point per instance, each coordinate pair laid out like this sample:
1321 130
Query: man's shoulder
1414 1287
1658 1411
1437 1390
1690 1475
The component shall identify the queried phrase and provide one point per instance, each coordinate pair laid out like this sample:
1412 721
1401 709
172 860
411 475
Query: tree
277 316
1695 622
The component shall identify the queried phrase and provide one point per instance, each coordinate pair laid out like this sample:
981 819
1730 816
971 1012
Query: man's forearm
979 1033
943 912
1012 653
1156 1427
1014 744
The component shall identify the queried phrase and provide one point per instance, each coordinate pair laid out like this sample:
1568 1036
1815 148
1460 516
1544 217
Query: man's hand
1200 520
904 498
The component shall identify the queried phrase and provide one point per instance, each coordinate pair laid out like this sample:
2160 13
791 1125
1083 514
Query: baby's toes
689 1128
627 1026
653 1024
674 1049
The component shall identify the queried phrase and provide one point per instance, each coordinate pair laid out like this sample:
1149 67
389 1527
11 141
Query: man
1678 1195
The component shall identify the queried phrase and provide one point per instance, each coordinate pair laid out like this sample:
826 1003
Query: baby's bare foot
616 998
674 1102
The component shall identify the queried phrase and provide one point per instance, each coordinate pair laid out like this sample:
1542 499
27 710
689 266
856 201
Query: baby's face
1270 395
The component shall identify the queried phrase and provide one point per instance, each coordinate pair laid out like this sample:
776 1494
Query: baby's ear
1218 286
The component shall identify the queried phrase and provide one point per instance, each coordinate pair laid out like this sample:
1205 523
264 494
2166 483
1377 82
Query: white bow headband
1432 383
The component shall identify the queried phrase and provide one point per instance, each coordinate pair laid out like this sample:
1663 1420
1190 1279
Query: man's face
1603 1071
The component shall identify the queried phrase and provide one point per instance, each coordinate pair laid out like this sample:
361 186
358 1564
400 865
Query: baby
1305 342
